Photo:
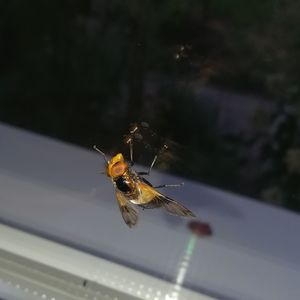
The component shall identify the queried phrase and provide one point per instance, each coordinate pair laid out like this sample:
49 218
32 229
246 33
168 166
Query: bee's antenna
102 153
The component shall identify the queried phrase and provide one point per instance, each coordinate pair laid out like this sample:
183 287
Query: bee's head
117 166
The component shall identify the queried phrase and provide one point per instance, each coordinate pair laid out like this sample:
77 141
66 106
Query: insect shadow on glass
132 189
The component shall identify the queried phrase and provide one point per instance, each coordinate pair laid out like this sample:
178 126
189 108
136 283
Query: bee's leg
131 152
169 185
164 147
130 142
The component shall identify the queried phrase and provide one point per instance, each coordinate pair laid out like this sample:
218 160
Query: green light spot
190 246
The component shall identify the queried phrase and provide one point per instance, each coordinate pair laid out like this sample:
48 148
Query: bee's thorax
122 184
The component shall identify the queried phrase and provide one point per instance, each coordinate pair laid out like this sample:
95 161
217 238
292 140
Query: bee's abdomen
123 185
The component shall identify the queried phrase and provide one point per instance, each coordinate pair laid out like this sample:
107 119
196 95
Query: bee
132 189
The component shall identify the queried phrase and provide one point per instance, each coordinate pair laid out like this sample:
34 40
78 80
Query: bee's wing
129 214
175 208
151 198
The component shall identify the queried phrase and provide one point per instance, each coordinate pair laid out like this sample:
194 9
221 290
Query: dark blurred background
220 77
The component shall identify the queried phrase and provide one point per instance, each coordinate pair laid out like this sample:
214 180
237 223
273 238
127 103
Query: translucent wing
129 214
151 198
175 208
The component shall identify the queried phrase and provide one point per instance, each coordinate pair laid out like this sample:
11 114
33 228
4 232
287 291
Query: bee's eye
118 169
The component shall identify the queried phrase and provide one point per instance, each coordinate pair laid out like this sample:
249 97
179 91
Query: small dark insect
201 229
132 189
